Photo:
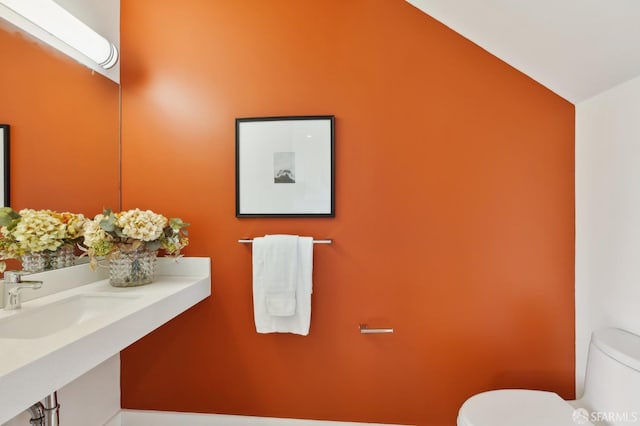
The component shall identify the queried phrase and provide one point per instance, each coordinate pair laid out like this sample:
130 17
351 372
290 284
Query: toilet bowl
517 407
611 397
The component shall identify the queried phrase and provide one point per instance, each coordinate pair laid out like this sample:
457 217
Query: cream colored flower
93 232
74 224
38 230
141 225
110 234
96 239
35 231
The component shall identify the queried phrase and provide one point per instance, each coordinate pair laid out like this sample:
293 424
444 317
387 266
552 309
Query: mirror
64 123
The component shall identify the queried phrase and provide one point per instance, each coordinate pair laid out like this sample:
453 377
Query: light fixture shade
55 20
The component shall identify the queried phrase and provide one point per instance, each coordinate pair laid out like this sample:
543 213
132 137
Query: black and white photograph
285 166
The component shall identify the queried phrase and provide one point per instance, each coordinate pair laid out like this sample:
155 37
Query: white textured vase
132 268
48 259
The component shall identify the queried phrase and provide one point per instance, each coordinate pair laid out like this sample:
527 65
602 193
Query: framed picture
4 163
285 166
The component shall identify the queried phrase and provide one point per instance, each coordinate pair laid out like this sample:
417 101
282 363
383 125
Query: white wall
607 215
91 399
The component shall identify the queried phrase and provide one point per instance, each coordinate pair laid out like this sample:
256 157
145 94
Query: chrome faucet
13 285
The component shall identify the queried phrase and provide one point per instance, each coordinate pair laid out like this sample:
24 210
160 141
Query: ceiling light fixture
55 20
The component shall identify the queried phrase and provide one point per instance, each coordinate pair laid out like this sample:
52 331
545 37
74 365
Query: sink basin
34 322
80 321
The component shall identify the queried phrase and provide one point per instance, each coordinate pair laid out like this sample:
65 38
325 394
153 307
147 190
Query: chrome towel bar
249 241
364 329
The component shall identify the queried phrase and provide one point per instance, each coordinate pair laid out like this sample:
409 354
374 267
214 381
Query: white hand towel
280 274
282 283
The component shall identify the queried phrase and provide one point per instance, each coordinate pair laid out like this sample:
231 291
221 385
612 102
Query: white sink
80 321
45 320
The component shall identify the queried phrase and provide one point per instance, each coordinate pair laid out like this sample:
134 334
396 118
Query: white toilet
611 397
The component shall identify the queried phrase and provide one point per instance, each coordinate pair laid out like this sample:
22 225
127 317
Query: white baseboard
163 418
115 420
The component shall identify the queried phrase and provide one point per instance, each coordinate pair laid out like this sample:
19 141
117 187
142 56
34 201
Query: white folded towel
280 274
282 283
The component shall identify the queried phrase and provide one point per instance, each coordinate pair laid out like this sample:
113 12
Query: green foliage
9 217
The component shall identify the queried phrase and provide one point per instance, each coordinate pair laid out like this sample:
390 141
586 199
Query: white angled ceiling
576 48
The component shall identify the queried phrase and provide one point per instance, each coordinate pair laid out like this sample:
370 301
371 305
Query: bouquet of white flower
35 231
110 234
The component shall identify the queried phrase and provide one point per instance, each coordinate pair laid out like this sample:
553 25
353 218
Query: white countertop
30 369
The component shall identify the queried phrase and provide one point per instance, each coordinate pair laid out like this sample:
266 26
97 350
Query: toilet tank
612 381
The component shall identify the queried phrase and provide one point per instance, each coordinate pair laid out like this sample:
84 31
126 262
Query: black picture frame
4 161
285 166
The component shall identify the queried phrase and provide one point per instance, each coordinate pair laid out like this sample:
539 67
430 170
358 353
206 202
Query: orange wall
454 219
64 128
